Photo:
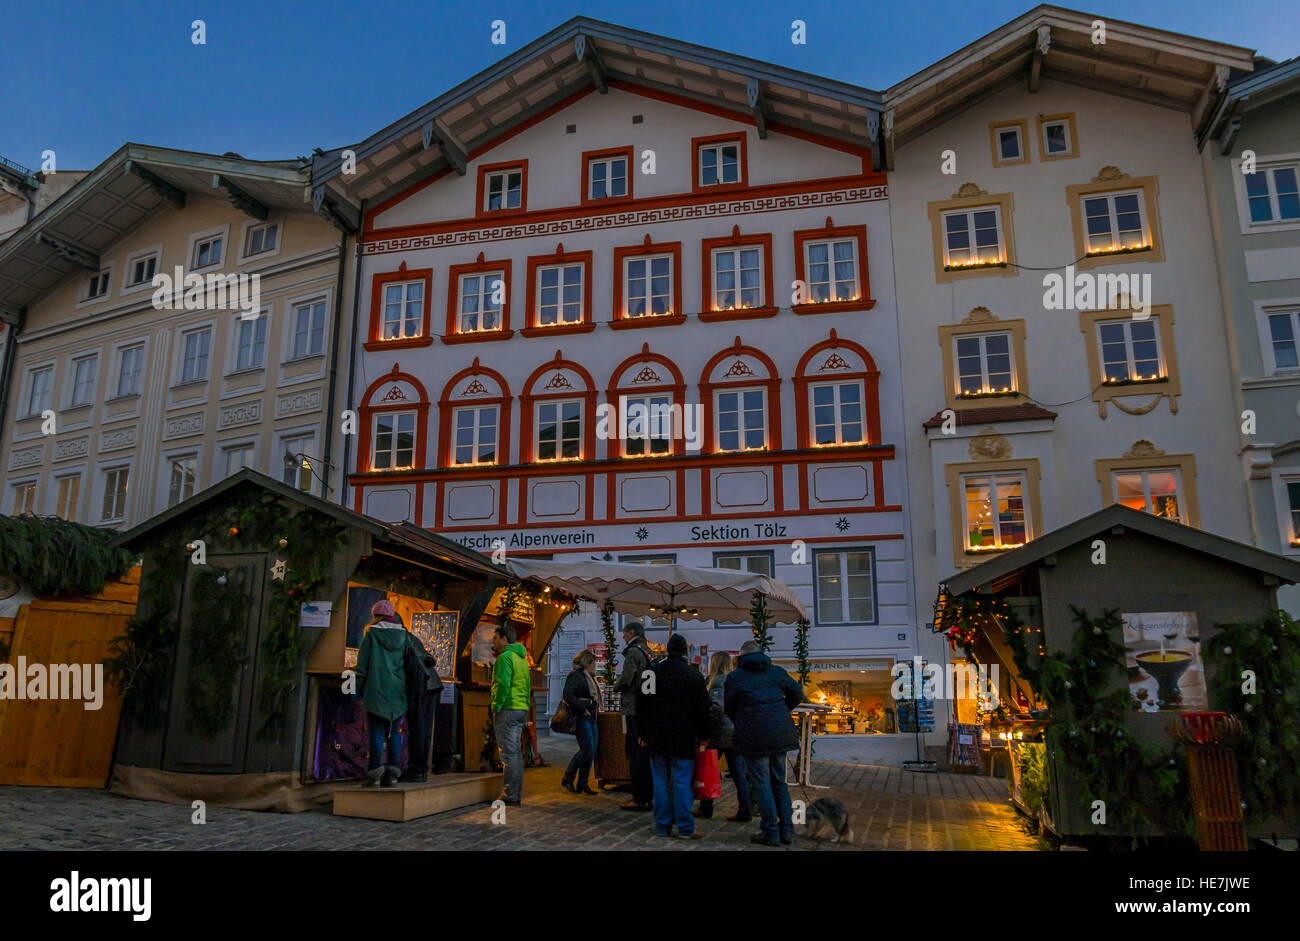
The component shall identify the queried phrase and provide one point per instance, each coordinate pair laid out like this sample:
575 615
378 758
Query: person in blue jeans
721 732
673 717
582 696
758 697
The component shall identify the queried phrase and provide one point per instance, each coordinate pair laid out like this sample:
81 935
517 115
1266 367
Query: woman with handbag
721 730
581 700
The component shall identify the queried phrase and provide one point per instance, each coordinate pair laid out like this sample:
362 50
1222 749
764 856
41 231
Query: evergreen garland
53 557
607 627
801 650
217 650
139 662
1269 750
758 615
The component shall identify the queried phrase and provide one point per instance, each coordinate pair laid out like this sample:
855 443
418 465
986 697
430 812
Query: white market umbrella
684 592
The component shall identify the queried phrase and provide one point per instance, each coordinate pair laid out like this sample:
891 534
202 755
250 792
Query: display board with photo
1162 652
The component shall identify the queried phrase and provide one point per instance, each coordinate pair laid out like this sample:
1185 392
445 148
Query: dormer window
502 187
97 286
719 161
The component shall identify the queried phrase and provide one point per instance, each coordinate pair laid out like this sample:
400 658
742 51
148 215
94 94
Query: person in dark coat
674 720
422 688
636 660
758 697
582 696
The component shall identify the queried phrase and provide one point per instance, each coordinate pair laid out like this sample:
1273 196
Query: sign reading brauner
1163 655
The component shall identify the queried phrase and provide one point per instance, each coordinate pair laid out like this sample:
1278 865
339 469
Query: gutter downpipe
334 360
352 358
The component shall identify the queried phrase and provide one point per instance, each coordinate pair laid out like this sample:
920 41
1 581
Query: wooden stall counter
611 750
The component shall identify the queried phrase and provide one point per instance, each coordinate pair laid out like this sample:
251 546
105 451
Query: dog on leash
826 815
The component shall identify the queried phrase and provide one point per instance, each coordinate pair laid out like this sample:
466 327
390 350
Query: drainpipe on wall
334 368
352 362
6 376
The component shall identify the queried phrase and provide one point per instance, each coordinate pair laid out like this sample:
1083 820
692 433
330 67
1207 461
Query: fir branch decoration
53 557
801 650
758 615
217 651
607 627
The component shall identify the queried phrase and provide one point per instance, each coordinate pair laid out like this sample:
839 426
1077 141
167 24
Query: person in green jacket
512 694
381 683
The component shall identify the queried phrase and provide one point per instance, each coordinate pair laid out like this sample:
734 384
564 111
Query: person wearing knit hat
381 684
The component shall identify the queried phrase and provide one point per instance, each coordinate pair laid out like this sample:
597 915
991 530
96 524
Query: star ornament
642 534
277 570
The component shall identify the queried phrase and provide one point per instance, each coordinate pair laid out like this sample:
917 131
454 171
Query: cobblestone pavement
891 809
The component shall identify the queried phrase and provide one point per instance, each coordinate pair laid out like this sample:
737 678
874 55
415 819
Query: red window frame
532 309
586 199
446 407
736 240
738 137
367 413
480 210
621 255
378 285
831 231
528 401
870 394
454 274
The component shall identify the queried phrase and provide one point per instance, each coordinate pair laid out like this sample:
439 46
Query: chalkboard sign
437 631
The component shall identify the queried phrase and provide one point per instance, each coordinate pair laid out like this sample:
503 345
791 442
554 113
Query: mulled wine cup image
1166 667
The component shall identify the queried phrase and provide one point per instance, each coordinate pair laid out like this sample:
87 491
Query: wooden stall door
59 742
184 749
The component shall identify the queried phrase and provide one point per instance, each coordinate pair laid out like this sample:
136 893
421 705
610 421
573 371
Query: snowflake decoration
842 524
642 534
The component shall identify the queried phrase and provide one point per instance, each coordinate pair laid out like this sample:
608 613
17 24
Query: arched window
394 414
648 397
741 393
557 419
836 393
474 419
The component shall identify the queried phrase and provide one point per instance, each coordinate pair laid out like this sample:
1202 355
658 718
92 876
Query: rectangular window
654 622
85 370
142 270
1293 506
832 270
238 457
647 286
1130 350
1010 146
737 276
559 295
130 370
39 390
1056 138
481 298
649 424
298 467
262 238
760 563
559 431
845 592
837 413
309 329
394 441
1282 334
994 507
742 420
607 178
403 310
184 478
973 237
1155 491
69 496
719 163
1114 222
1272 194
194 363
503 190
250 344
24 500
115 483
984 364
476 435
97 286
207 252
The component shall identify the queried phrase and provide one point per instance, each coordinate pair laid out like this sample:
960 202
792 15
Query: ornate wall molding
245 413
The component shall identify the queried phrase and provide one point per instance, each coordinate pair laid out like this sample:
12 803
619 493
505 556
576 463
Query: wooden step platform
442 792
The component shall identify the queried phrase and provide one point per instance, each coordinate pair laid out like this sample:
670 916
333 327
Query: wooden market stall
1104 632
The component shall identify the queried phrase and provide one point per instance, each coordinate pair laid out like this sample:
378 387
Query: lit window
1282 336
184 477
207 252
394 441
194 363
973 237
1010 146
476 435
607 178
503 190
837 413
142 270
309 329
737 274
832 270
299 470
1154 491
39 390
115 484
994 508
649 421
97 286
85 371
403 310
481 298
250 344
742 420
1114 222
130 370
559 431
262 238
719 163
559 295
1056 138
1130 350
984 364
69 496
24 500
647 284
845 593
1272 194
1293 505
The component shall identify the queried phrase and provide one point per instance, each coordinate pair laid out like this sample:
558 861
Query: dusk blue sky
276 79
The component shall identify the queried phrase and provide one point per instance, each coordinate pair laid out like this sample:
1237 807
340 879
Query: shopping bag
707 777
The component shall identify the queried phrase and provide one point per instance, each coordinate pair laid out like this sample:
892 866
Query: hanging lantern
283 543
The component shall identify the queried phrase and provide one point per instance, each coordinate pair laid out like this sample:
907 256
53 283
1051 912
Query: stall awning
695 593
